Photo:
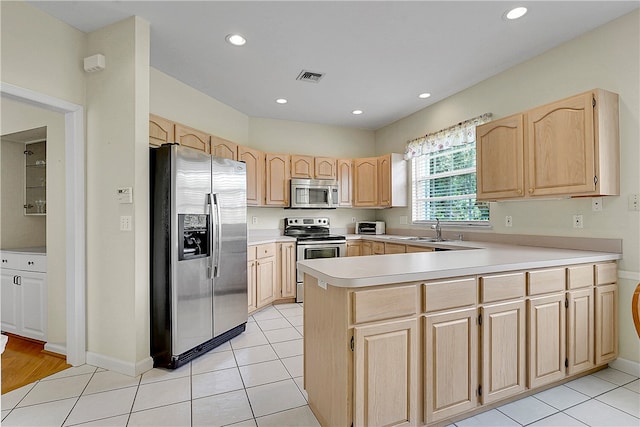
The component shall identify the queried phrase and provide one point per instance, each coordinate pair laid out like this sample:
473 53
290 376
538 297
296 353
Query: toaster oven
370 227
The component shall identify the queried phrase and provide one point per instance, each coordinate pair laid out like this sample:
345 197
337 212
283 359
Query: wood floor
25 361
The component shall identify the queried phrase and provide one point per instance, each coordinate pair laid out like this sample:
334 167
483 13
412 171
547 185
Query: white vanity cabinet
24 294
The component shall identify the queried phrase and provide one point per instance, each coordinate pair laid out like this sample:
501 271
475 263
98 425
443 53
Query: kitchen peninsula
428 338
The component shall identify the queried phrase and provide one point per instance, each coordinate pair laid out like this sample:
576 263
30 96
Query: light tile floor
256 380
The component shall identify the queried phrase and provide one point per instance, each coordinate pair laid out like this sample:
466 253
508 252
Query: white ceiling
377 56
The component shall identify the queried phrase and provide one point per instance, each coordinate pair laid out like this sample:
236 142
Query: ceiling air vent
309 76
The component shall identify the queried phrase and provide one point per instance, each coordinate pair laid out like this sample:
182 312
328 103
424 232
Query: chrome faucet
438 229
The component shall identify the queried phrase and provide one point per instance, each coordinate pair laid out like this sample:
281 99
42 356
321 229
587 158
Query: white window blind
444 175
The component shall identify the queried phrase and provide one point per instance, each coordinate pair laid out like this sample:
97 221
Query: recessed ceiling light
235 39
281 101
516 13
357 112
424 95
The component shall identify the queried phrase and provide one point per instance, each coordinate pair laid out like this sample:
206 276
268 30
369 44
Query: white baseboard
120 366
628 366
56 348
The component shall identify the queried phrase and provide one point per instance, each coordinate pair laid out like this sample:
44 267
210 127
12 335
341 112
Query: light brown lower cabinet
252 279
354 248
464 342
287 269
503 361
451 364
386 397
546 321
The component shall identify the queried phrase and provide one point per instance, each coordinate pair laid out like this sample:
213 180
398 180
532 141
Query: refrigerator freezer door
230 248
191 290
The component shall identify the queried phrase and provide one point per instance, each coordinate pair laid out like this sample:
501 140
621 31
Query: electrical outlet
254 220
578 221
125 223
508 221
634 202
596 204
404 220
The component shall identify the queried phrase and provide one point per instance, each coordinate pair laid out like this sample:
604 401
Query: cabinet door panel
266 281
580 331
365 182
499 158
222 148
302 166
288 270
325 168
451 361
161 131
192 138
10 301
503 351
34 305
384 181
569 167
606 319
278 174
546 339
254 160
345 182
386 396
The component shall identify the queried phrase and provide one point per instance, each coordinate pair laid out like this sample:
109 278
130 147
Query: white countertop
259 238
40 250
478 258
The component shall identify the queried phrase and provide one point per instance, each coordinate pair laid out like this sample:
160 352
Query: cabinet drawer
580 276
502 287
545 281
251 253
24 262
380 304
394 248
266 250
606 273
450 294
412 249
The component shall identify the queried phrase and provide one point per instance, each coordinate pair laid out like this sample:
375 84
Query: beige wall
607 58
117 156
41 53
18 230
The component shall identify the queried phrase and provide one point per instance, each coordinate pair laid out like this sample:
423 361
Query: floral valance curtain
460 134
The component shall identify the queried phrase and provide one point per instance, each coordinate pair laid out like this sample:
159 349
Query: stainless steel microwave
314 193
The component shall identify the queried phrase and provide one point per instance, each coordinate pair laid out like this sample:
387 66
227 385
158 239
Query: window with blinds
444 187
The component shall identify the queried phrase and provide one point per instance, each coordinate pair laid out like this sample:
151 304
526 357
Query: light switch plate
596 204
125 223
578 221
634 202
125 195
508 221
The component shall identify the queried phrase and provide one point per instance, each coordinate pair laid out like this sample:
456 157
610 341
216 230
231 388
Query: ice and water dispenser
194 230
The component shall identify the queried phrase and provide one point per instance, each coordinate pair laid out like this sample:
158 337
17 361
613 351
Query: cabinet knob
531 191
519 190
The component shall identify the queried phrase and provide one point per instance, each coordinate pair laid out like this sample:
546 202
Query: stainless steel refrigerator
198 253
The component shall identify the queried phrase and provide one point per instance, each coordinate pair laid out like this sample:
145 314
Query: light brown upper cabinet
345 181
254 159
310 167
193 138
570 147
365 182
222 148
380 181
302 166
277 176
325 167
161 131
499 158
392 184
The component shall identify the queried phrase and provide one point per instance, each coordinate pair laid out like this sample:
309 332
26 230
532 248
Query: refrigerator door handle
210 207
216 266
